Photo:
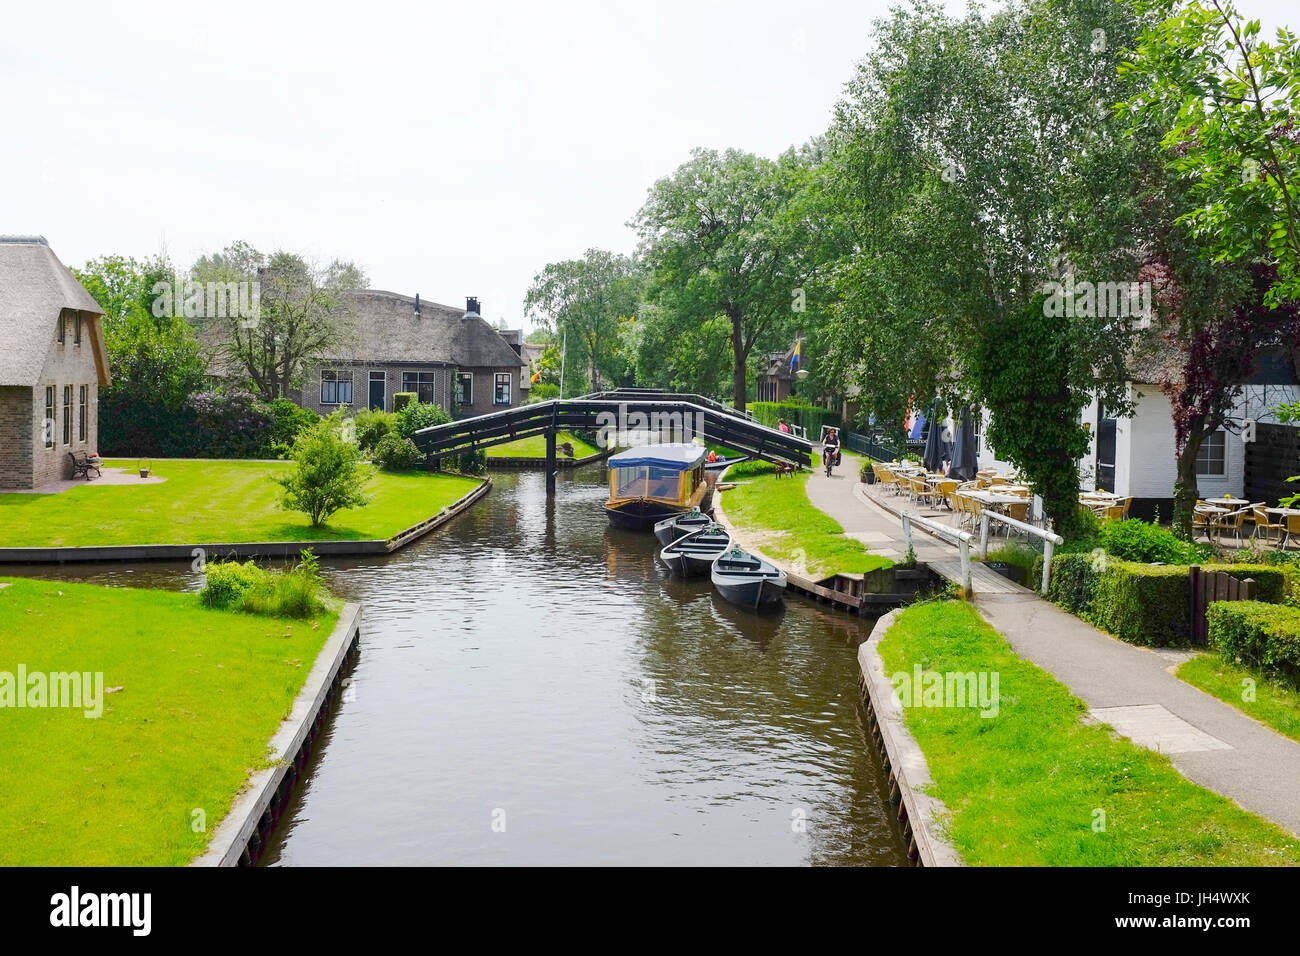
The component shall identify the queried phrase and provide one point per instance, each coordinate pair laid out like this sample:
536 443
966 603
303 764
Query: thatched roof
35 288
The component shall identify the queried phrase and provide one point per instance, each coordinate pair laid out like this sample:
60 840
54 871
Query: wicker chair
1262 522
1292 528
1230 522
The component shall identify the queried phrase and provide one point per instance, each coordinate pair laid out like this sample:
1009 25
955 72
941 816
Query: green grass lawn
1024 787
1275 703
791 529
214 502
200 694
535 447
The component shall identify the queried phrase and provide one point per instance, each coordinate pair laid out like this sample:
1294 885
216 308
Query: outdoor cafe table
1283 511
1007 489
1232 504
997 502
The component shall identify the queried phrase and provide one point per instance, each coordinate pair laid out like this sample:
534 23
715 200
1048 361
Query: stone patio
110 476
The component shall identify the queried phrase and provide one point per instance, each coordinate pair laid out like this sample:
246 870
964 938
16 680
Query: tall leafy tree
723 236
584 301
303 316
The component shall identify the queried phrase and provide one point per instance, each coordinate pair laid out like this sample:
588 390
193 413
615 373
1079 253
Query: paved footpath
1128 687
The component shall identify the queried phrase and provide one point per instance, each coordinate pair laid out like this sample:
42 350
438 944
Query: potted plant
145 467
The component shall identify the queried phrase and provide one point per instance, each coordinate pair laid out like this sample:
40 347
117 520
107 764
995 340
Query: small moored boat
695 553
670 529
748 581
654 482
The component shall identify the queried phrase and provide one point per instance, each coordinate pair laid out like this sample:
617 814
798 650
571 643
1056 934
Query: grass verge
791 529
1029 786
199 694
1275 703
535 447
214 502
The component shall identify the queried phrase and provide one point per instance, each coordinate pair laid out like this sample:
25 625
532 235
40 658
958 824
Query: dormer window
63 327
76 328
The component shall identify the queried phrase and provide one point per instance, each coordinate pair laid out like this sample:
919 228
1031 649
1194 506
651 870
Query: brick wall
484 394
65 364
16 448
360 375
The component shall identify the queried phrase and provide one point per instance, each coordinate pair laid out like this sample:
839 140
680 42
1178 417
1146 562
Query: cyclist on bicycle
831 450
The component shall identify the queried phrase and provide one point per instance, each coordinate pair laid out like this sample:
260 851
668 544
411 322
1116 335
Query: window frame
413 378
496 388
76 328
63 328
84 396
49 422
67 415
1217 440
465 397
338 378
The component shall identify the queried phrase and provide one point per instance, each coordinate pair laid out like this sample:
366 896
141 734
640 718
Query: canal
534 688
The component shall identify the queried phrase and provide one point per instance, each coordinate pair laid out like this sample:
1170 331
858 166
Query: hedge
808 417
1143 603
1261 635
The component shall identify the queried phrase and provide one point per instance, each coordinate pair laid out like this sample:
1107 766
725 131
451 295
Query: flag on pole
795 355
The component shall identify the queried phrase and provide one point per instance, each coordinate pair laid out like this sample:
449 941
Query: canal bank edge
524 464
920 815
243 549
257 807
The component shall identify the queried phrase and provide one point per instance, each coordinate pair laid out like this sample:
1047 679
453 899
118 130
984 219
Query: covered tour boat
670 529
748 581
695 553
654 482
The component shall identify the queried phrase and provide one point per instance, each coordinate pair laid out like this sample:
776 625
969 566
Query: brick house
449 357
52 363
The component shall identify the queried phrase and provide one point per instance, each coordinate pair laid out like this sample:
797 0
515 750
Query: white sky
449 149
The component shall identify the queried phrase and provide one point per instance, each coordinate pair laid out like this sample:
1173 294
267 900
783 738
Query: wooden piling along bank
919 816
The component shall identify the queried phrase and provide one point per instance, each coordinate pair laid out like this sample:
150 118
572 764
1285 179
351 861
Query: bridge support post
551 468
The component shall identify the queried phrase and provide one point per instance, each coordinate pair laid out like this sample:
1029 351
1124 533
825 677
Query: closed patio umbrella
964 460
932 459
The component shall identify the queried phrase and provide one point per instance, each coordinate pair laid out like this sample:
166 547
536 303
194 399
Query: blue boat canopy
670 457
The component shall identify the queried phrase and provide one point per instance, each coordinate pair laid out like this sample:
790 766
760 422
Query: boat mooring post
551 467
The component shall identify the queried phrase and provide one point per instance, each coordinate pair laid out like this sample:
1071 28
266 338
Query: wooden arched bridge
678 416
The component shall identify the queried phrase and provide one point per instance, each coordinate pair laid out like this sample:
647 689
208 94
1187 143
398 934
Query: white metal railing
1050 540
960 538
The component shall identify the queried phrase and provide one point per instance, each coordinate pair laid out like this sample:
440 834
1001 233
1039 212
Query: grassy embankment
1029 785
196 696
786 526
215 502
535 447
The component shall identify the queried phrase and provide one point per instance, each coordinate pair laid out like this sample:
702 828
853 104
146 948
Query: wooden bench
82 464
784 468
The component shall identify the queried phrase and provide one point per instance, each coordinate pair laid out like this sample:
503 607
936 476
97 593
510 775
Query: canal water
534 687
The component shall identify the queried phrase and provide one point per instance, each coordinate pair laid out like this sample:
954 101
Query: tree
1226 103
967 143
156 363
328 473
304 314
583 301
723 236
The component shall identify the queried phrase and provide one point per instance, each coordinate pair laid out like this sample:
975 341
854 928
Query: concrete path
1128 687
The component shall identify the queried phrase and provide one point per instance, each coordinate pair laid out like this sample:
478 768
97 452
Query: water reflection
534 687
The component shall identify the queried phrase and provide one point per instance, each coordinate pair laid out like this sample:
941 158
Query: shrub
1141 603
328 474
808 416
395 453
372 425
471 462
419 415
226 424
402 399
1018 556
287 422
1261 635
255 590
1136 540
226 582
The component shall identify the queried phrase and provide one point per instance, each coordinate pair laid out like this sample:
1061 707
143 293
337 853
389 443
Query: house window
67 414
423 384
502 396
1210 456
49 415
76 329
81 416
63 327
464 388
335 387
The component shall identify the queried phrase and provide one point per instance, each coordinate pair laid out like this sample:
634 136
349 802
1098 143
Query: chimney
417 305
471 308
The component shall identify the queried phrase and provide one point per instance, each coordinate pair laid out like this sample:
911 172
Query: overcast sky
449 149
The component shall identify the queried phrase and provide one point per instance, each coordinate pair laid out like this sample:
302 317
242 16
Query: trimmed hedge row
1144 603
808 417
1261 635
